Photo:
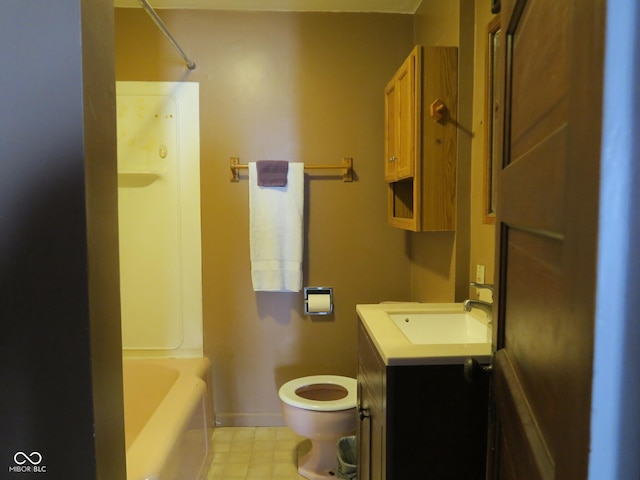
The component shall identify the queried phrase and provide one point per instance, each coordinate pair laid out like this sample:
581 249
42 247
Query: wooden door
552 63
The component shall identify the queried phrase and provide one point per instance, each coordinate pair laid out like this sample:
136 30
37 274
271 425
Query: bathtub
167 418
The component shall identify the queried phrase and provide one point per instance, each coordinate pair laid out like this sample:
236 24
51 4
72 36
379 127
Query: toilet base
321 462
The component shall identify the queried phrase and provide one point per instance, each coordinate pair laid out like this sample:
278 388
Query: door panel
523 449
534 330
547 216
539 54
534 185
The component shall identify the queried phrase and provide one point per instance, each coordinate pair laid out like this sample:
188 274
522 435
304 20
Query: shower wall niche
159 218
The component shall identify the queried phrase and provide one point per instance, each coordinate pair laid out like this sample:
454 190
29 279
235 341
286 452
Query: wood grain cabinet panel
420 149
401 121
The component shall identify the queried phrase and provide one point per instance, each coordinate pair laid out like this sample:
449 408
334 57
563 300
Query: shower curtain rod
158 21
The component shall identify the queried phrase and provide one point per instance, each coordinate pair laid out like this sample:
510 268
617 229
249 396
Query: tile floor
256 453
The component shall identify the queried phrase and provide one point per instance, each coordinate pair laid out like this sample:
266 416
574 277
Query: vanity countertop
396 349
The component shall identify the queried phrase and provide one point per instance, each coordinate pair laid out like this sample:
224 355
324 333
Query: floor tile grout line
242 453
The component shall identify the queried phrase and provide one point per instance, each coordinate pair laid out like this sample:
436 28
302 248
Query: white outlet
480 273
484 294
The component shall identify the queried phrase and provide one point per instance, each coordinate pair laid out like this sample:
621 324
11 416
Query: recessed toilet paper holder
315 300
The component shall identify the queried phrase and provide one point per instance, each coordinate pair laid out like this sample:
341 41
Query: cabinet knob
438 111
473 371
392 159
363 413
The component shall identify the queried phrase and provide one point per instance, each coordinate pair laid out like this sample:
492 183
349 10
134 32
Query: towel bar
346 166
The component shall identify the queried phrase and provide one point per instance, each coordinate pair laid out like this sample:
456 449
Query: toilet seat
288 395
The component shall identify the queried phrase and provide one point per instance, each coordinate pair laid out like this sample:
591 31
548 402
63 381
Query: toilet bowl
321 408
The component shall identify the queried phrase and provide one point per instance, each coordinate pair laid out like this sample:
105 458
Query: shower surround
159 218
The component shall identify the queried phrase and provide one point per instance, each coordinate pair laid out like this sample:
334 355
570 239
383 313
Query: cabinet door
372 457
378 454
406 96
372 465
401 122
391 133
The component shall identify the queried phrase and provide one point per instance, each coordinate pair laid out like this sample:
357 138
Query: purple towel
272 173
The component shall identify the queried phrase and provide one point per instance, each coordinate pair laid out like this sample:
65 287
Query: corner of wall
102 232
482 246
440 262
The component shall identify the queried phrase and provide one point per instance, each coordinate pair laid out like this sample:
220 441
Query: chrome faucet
486 307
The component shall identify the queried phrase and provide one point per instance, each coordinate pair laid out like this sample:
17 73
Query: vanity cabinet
420 140
418 421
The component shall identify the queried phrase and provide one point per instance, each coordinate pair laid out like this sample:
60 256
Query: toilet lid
288 395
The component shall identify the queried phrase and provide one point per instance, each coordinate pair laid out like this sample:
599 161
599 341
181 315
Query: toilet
321 408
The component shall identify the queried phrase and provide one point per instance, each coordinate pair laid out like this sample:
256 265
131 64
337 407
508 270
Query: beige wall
440 261
308 87
301 87
444 263
483 235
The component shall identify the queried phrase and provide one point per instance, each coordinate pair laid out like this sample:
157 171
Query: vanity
419 417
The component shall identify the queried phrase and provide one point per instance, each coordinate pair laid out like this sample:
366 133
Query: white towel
276 232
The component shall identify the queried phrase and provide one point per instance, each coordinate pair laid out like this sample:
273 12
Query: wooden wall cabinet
420 140
418 421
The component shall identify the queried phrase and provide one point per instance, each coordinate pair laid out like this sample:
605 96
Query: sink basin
413 333
424 328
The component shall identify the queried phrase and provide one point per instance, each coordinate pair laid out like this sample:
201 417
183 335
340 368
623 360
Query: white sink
441 327
427 333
